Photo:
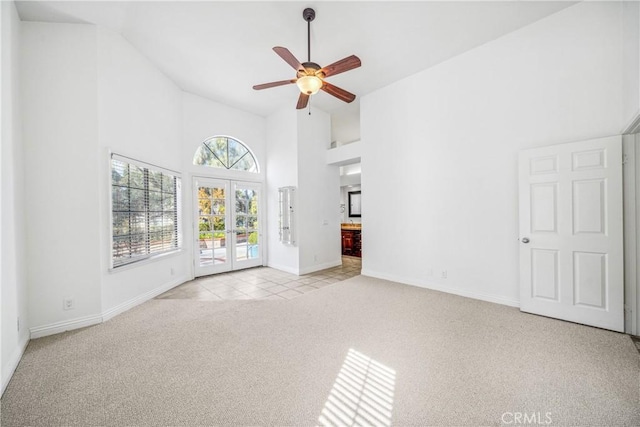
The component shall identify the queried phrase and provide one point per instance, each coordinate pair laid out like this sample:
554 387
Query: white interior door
571 241
227 226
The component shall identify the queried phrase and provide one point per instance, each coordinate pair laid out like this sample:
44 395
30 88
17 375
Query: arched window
225 152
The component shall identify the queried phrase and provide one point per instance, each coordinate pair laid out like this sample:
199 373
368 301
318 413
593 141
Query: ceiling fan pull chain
309 105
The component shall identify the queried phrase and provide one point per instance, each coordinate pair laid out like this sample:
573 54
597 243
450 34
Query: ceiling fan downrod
309 15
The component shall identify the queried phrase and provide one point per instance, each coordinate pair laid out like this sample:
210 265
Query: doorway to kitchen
227 225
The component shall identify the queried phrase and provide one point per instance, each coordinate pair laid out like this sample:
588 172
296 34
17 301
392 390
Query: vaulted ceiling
219 50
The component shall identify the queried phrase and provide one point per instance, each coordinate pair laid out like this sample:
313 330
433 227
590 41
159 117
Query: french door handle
525 240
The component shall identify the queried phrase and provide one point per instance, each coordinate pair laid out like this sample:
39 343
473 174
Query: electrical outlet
444 274
68 303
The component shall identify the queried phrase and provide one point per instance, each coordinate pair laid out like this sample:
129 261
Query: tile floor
262 283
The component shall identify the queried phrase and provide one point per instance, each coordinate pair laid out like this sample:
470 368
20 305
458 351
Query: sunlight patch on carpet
361 395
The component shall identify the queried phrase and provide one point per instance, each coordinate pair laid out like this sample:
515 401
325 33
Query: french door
227 225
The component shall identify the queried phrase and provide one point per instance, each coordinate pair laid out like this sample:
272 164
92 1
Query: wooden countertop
351 226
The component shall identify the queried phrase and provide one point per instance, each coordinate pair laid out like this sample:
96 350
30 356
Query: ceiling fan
309 75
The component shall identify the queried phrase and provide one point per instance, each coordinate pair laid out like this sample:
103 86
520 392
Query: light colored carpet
360 351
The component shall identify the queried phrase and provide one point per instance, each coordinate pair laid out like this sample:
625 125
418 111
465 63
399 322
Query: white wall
140 116
87 92
347 154
13 296
345 124
631 60
282 171
203 118
318 195
60 134
352 179
443 195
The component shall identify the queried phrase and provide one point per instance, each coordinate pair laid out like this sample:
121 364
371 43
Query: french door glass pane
220 251
212 225
246 222
206 257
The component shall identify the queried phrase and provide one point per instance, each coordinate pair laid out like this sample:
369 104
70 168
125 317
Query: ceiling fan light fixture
309 85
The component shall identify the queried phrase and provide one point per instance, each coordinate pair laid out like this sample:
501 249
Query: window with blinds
145 211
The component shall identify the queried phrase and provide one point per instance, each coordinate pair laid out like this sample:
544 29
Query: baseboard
283 268
82 322
128 305
482 296
12 364
318 267
65 325
306 270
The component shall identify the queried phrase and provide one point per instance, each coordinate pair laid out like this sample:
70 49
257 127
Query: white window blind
145 210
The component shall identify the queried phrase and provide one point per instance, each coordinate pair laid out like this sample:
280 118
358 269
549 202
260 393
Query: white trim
143 164
81 322
127 305
633 126
12 364
65 325
283 268
482 296
306 270
147 260
637 231
630 214
318 267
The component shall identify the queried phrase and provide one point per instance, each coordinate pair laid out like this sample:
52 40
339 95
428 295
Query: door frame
631 210
262 215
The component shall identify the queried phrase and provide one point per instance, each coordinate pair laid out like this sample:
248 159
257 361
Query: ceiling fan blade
284 53
345 64
303 99
341 94
273 84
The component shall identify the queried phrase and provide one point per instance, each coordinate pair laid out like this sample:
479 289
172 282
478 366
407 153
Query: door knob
525 240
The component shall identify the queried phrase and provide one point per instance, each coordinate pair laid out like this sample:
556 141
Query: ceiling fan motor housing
311 69
309 14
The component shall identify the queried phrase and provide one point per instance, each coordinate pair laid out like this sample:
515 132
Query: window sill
146 261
